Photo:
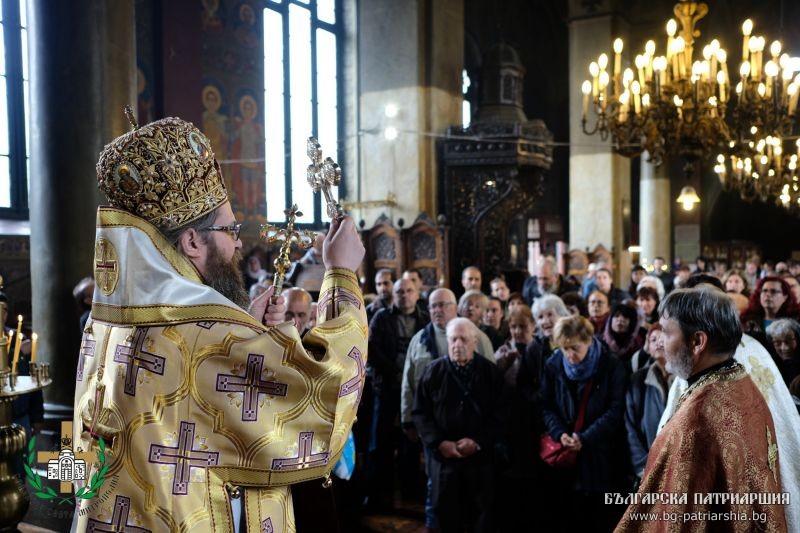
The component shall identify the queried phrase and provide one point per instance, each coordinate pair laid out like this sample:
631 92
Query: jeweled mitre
165 172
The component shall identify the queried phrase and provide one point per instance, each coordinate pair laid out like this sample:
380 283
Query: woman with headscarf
622 333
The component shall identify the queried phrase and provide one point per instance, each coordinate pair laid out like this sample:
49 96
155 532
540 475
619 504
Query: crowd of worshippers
459 391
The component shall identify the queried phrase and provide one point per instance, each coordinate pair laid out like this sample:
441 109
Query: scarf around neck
586 368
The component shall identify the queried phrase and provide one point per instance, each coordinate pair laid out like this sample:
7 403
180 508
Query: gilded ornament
164 172
772 454
106 266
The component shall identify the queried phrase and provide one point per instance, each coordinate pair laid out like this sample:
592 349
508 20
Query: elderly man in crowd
390 333
298 308
458 411
427 345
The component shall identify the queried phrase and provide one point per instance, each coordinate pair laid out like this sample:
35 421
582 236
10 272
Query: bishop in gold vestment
203 409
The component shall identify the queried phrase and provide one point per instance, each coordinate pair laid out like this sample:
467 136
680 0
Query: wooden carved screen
424 246
384 249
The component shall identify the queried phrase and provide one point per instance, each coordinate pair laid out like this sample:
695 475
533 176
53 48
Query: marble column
83 71
655 207
599 180
410 55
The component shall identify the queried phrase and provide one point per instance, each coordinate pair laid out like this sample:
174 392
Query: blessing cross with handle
272 234
322 175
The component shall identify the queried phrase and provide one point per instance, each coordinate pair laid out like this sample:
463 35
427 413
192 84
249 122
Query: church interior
527 139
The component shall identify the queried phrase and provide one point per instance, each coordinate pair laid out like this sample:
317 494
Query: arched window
302 58
14 102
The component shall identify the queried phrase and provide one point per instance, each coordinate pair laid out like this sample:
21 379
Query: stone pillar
655 207
83 71
411 54
599 180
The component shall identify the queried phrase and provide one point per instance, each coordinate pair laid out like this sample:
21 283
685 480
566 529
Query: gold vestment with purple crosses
198 401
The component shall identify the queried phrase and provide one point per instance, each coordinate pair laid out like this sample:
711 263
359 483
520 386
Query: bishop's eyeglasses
233 229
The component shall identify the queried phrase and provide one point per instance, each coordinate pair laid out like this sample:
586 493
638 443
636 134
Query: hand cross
322 175
272 234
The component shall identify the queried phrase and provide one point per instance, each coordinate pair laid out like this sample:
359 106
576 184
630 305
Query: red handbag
553 452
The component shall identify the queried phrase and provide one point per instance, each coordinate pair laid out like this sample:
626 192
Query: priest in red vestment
714 466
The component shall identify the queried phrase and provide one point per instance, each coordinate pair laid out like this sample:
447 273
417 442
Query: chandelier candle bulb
775 50
639 62
793 93
650 51
594 70
672 26
747 28
604 88
602 62
586 89
721 83
722 57
617 56
714 57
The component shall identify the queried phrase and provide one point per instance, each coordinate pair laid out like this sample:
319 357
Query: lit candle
775 50
17 345
714 49
672 26
640 62
721 82
771 69
722 56
34 338
747 28
636 98
650 51
617 56
586 89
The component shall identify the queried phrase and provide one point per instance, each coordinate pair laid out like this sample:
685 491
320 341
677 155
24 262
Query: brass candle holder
13 440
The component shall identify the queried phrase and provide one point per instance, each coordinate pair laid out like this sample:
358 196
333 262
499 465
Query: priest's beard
225 277
680 363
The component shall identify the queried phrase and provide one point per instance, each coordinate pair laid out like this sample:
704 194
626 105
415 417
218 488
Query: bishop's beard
225 277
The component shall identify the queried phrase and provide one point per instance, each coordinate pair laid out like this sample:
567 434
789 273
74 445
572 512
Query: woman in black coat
582 361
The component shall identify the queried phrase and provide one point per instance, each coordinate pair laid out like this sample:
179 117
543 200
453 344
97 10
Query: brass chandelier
679 104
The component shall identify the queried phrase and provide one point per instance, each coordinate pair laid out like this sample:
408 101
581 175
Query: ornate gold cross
322 175
272 234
